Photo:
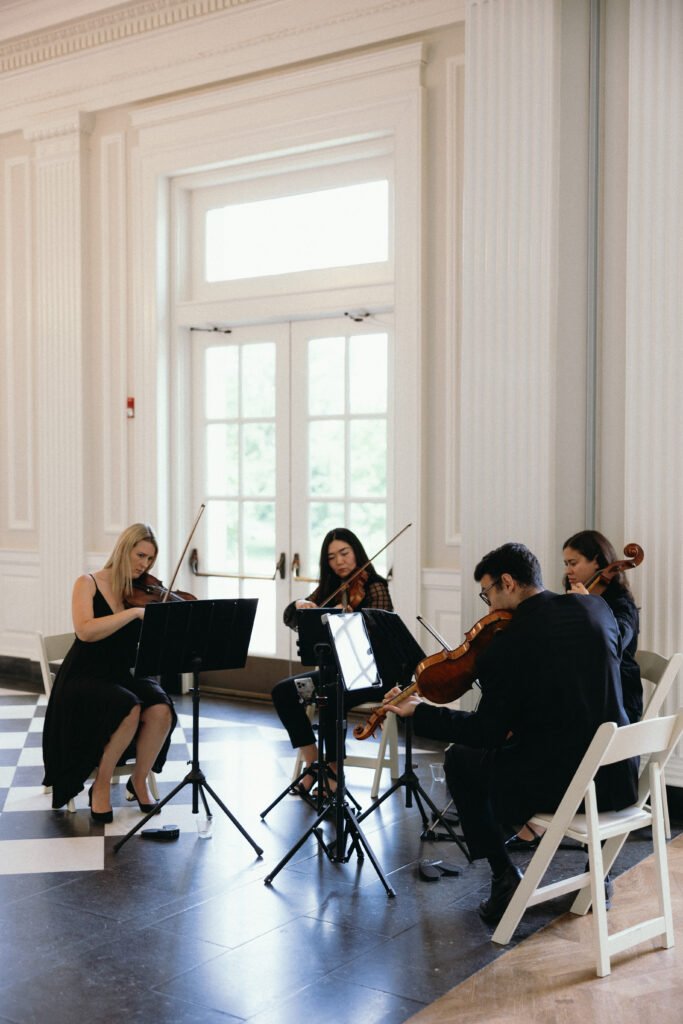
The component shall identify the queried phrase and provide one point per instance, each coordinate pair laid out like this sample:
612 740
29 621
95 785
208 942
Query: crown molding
107 27
166 47
75 123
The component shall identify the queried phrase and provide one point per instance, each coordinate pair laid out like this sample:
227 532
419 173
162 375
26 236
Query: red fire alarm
130 408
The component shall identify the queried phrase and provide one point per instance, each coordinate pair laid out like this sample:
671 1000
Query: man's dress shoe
502 890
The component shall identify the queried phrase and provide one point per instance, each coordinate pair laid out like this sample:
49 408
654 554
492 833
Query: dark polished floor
188 931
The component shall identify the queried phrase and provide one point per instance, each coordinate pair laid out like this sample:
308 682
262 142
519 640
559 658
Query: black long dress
92 694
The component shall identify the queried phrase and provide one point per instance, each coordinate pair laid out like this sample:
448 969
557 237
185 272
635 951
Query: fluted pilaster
654 318
60 176
509 261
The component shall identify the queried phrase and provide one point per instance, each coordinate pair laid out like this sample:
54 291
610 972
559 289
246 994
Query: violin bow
347 583
180 560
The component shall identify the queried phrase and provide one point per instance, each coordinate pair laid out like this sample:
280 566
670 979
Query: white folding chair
51 650
656 737
661 673
379 761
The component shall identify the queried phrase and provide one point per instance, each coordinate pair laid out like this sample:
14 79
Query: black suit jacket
550 679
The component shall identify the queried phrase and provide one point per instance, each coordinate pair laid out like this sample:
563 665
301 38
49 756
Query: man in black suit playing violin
548 680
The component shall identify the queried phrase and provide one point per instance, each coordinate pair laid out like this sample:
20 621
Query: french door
291 437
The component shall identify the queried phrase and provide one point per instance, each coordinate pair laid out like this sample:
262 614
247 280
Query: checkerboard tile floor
32 838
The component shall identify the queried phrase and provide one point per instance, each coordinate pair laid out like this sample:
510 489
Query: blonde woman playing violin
98 715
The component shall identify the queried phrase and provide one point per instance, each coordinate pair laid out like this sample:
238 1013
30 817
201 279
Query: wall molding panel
19 598
441 598
110 384
455 101
18 380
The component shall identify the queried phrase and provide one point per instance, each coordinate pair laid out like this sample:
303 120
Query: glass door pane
340 439
241 447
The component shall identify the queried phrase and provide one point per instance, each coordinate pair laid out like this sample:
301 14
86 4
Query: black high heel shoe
132 795
101 817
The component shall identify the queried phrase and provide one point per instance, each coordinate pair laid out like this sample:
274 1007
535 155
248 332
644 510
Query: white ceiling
19 17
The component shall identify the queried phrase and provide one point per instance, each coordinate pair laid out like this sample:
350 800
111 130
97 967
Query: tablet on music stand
353 651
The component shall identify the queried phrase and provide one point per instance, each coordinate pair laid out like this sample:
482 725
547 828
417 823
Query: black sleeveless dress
92 694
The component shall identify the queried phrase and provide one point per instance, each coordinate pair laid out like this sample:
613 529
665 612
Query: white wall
503 262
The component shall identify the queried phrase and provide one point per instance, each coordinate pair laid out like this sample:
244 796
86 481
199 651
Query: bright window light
334 227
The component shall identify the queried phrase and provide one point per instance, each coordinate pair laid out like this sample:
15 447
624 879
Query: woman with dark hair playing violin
98 715
340 555
585 553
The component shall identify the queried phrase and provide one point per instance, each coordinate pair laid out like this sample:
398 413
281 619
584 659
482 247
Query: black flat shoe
101 817
145 808
502 890
520 845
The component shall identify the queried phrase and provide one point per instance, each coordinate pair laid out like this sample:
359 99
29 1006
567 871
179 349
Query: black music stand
313 645
398 653
194 636
338 809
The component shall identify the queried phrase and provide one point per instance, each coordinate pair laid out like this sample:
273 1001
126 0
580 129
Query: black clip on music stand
194 636
398 654
338 809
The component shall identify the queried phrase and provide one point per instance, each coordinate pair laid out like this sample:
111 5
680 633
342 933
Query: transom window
332 227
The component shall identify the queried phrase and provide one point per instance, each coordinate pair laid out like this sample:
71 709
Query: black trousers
468 775
292 712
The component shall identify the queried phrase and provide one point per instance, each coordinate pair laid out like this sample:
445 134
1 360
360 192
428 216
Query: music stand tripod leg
196 778
346 823
337 807
292 788
410 781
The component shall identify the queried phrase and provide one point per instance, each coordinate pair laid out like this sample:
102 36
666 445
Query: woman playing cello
586 553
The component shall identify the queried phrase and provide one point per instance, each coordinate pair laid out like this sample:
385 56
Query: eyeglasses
483 594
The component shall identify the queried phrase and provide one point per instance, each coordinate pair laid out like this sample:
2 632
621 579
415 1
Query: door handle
294 569
280 567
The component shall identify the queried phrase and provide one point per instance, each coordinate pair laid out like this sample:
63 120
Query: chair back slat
653 735
51 649
662 673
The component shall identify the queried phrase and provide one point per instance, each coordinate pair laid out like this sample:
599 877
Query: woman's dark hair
514 559
329 581
594 545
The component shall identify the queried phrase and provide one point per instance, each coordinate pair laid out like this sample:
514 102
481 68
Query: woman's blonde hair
119 560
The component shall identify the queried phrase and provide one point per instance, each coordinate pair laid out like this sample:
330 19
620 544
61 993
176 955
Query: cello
599 582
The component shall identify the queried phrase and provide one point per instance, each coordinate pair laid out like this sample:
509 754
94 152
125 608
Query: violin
355 594
147 589
599 582
349 584
447 675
